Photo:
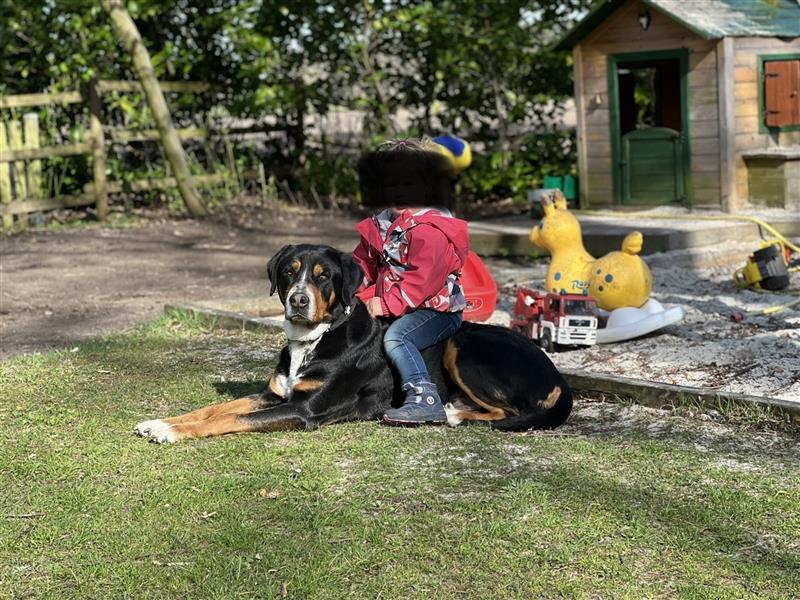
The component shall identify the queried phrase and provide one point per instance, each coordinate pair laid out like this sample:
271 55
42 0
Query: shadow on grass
719 527
728 540
238 389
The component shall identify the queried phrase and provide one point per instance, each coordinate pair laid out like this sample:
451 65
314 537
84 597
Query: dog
334 367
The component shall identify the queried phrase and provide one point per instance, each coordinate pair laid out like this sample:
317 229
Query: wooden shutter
782 92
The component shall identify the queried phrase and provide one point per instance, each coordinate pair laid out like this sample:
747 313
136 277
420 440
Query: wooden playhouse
691 102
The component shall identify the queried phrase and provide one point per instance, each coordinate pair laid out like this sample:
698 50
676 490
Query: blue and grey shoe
421 406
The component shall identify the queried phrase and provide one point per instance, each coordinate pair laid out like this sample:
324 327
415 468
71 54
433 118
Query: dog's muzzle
299 306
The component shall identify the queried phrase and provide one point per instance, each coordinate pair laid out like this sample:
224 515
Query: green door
649 119
652 166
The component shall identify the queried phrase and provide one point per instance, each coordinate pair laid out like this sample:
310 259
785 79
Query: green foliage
328 174
483 71
512 174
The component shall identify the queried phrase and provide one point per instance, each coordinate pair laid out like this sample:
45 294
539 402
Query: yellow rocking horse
618 279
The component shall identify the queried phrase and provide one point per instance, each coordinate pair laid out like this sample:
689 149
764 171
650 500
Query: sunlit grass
87 510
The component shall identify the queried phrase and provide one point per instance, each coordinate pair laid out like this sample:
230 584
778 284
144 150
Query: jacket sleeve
365 258
429 264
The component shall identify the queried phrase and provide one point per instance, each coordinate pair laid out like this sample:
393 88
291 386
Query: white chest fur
302 342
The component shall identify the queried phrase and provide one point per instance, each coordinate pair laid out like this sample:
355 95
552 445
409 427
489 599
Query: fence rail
45 152
28 100
21 154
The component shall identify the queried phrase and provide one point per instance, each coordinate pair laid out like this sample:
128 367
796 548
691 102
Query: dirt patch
60 287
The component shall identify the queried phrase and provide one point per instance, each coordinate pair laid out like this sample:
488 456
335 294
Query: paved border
227 319
660 395
509 237
648 393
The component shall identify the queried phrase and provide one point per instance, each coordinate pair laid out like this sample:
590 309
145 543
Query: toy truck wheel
547 341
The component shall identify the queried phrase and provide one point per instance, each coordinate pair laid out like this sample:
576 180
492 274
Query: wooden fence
21 155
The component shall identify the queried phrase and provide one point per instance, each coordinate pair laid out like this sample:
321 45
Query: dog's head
315 283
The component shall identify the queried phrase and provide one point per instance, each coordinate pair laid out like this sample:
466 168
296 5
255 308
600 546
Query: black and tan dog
334 368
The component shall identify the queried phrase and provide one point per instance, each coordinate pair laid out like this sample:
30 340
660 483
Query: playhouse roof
710 19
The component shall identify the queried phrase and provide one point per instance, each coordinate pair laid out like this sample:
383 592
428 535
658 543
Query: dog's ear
273 264
352 276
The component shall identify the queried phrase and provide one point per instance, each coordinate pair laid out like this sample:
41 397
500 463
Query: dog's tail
550 413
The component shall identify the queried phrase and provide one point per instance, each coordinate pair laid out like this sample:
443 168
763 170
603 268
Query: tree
482 70
129 36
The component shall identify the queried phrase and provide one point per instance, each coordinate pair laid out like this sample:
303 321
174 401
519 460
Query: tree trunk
128 34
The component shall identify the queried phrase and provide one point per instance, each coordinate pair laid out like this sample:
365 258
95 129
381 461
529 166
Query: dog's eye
289 271
324 275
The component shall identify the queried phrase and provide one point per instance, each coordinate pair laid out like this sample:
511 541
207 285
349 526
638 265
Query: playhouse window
781 81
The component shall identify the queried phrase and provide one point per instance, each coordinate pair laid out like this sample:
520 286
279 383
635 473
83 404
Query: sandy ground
759 356
59 287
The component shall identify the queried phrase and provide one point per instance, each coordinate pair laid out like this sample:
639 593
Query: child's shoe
422 405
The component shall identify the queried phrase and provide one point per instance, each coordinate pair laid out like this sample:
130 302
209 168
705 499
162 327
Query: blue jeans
413 332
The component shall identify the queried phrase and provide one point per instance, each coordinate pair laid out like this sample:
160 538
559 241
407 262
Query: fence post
31 126
98 151
20 187
6 194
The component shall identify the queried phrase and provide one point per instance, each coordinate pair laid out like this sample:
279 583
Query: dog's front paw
157 430
143 429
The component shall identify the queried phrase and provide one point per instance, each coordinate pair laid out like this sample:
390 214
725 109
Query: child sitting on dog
412 255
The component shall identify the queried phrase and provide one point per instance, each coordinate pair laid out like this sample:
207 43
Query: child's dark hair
405 173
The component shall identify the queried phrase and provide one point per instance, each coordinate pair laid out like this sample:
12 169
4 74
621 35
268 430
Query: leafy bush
510 175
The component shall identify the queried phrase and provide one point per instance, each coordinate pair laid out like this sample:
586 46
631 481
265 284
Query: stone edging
648 393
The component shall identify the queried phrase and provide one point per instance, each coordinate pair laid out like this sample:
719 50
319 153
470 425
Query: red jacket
417 264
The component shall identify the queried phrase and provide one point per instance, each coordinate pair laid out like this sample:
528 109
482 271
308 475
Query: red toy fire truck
549 319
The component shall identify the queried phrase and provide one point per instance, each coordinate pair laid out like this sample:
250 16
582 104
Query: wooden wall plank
705 163
598 117
580 134
709 145
746 74
702 112
705 128
703 94
759 44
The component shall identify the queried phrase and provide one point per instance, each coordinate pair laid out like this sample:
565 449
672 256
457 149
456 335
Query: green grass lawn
623 502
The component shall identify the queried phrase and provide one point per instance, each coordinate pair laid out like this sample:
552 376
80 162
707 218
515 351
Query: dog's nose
298 300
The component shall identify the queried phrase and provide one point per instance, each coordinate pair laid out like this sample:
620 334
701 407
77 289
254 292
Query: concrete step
509 236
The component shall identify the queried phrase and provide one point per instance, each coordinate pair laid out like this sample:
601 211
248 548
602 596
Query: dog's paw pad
160 432
143 428
164 437
163 434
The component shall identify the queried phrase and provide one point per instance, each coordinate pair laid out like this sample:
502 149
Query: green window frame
761 59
